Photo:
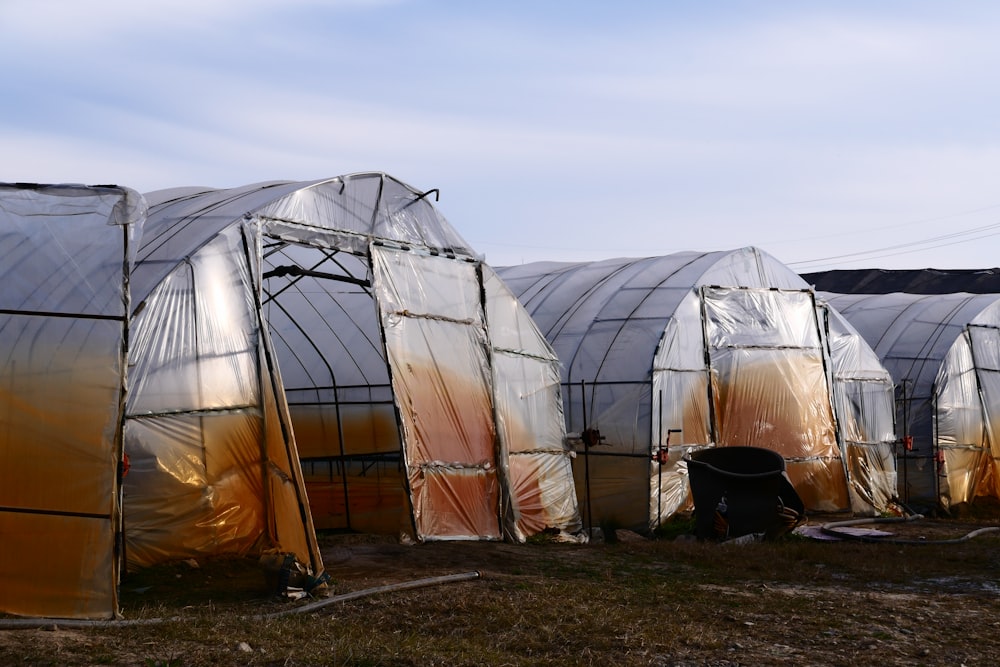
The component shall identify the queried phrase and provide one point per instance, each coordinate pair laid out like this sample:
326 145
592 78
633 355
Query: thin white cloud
772 123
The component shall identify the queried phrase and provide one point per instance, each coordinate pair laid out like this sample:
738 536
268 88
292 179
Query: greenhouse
667 355
188 368
943 351
345 318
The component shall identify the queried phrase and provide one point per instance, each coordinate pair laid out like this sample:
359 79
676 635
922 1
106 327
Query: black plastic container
741 491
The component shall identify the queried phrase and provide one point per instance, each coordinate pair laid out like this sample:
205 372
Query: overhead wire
953 238
944 240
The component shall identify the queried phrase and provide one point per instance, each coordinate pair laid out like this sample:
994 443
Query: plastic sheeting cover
435 337
968 417
211 469
529 417
63 311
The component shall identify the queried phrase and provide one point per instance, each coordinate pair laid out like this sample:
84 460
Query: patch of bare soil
922 595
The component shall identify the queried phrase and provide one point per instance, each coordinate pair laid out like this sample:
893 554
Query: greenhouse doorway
336 385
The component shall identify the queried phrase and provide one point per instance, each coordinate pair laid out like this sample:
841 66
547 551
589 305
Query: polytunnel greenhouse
419 395
86 488
667 355
943 351
334 337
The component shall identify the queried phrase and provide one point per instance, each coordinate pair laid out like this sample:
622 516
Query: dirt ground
629 601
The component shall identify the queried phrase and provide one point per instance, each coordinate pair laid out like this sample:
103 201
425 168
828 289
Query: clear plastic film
968 402
194 340
776 399
62 383
985 340
363 207
203 431
65 247
772 388
865 415
436 342
530 420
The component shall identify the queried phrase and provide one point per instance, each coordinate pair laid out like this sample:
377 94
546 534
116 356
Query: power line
916 246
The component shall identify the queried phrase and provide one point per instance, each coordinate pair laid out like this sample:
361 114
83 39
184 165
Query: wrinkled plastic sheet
770 389
865 411
529 416
212 470
671 486
195 417
777 400
874 482
194 342
65 247
351 210
528 405
436 343
968 417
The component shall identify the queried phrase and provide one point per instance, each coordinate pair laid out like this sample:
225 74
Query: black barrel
742 490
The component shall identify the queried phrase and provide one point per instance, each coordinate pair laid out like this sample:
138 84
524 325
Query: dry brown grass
646 602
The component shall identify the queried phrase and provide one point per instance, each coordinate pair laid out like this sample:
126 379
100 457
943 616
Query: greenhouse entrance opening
337 386
340 383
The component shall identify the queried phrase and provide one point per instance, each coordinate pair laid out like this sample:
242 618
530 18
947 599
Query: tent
346 321
64 328
666 355
943 351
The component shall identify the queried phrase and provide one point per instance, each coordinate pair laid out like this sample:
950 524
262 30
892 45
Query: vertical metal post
659 463
906 432
586 456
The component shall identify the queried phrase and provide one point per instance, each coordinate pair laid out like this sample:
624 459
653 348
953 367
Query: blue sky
831 134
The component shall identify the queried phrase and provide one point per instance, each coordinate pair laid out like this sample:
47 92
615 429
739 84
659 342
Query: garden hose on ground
831 529
35 623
